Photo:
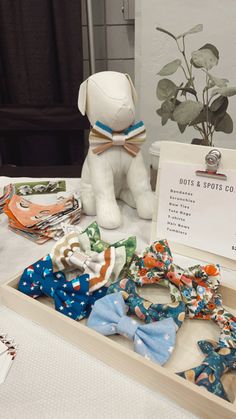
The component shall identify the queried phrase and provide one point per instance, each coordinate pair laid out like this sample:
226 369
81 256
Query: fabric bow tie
145 310
208 374
91 240
102 138
197 284
67 254
72 298
154 341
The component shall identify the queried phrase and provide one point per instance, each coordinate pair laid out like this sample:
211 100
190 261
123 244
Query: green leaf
182 128
202 117
219 105
188 90
195 29
204 57
166 89
164 115
225 124
168 106
164 118
165 111
175 103
212 48
166 32
170 68
216 81
159 112
224 91
187 111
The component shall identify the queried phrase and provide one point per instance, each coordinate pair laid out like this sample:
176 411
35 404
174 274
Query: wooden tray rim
155 377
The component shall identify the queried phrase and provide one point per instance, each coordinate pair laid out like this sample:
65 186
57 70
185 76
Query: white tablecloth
51 378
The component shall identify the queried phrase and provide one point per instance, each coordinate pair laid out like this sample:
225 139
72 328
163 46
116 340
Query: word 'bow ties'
217 362
72 298
154 341
102 137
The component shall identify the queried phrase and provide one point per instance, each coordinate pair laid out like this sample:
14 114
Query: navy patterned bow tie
218 361
71 298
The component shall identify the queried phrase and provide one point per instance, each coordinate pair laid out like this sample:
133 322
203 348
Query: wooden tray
117 351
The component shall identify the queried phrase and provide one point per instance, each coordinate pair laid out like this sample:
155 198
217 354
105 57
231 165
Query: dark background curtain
41 68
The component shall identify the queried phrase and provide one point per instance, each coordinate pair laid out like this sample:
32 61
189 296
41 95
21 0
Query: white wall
154 49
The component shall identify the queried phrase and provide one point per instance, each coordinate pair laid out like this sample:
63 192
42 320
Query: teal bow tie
218 361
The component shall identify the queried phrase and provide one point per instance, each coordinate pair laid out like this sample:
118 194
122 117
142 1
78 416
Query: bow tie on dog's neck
102 138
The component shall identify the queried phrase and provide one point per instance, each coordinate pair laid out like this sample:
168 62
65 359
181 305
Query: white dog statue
114 166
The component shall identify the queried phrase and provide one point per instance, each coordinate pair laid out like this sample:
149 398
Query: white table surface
50 378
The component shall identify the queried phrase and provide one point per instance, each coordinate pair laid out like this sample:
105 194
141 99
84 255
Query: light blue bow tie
154 341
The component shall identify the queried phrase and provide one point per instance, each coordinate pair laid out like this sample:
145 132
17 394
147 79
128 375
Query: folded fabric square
41 222
7 194
154 341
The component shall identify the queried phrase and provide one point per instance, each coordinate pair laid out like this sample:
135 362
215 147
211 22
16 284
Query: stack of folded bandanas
8 192
42 222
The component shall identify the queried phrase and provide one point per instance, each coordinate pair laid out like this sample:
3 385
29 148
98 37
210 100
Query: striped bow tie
102 138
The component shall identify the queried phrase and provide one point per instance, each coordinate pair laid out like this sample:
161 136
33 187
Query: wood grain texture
119 357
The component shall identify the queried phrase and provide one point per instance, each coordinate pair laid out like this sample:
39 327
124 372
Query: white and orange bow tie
102 138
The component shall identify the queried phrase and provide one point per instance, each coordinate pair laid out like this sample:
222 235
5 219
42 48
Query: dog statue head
108 97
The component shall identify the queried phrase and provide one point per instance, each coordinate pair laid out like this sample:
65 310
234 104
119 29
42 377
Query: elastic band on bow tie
208 374
153 341
144 309
102 138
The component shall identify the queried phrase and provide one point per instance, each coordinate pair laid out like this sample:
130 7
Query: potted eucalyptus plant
206 109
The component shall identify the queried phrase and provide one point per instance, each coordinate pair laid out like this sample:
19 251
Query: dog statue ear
82 99
134 92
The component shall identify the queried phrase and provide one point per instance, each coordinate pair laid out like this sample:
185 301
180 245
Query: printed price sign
197 211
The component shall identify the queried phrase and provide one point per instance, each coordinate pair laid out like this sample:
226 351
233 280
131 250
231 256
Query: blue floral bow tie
154 341
145 310
218 361
72 298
